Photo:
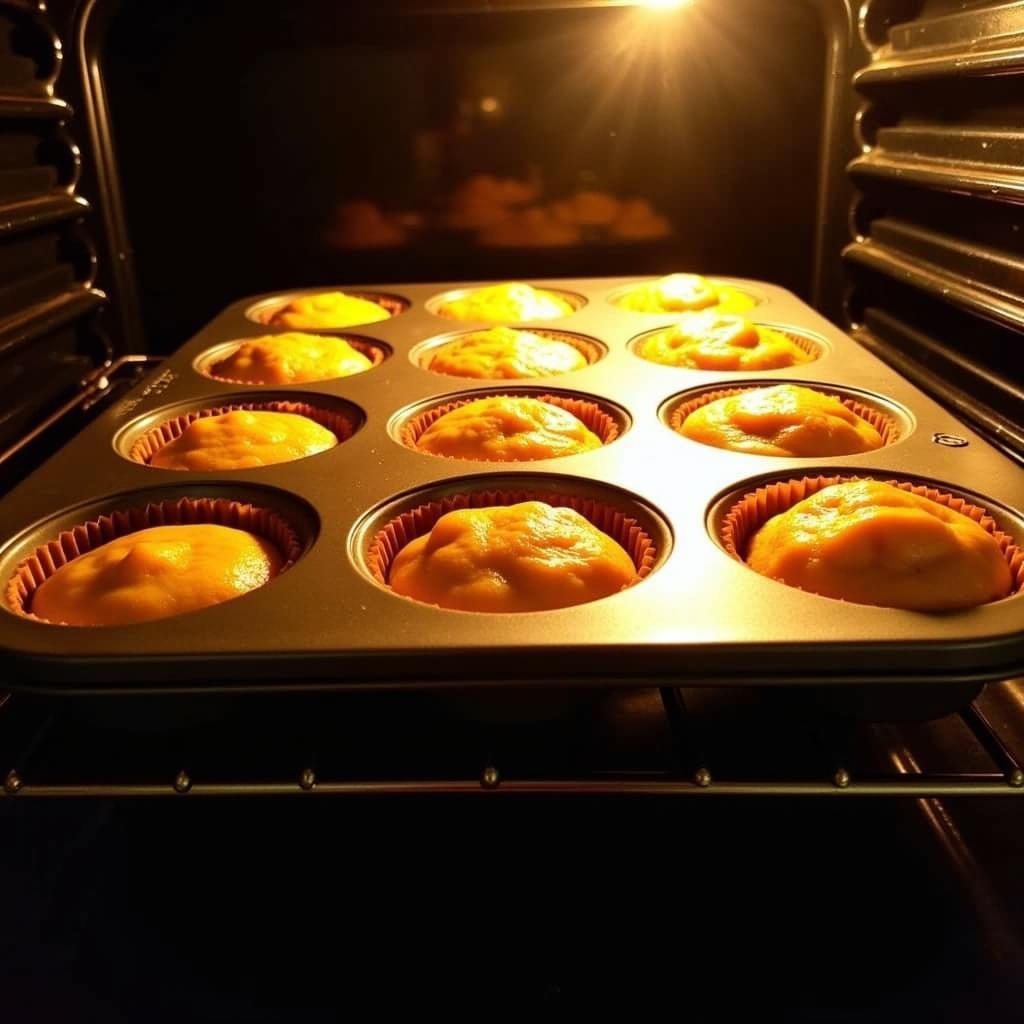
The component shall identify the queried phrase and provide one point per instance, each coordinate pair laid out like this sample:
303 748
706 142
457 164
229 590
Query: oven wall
236 136
937 261
49 340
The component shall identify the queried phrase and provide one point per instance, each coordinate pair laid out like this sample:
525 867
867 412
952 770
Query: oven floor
298 911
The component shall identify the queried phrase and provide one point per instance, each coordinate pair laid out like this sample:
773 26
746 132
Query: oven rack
669 742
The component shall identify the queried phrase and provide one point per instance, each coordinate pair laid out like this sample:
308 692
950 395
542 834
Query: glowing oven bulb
663 5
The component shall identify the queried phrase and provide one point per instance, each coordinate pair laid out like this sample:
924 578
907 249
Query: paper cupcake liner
753 510
621 527
391 303
592 351
341 425
886 425
590 414
374 352
49 557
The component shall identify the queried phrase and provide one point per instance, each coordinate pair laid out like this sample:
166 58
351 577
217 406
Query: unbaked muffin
243 439
290 358
873 543
505 353
785 420
507 428
684 293
512 302
716 341
511 558
328 309
156 573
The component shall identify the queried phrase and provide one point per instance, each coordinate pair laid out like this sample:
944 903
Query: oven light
663 5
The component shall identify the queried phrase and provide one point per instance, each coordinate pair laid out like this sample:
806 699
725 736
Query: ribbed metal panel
937 261
47 261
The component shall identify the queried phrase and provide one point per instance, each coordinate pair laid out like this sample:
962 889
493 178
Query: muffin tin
700 616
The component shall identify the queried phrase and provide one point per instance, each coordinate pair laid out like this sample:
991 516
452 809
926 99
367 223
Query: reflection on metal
1006 434
93 388
942 284
985 182
926 786
941 170
983 761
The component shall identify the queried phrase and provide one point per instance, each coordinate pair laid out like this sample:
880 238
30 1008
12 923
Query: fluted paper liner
886 425
48 558
341 425
391 303
620 526
753 510
591 350
590 414
206 363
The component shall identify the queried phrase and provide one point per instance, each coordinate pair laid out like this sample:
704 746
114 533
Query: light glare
663 5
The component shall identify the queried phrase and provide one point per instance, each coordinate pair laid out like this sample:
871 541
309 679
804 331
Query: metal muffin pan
700 617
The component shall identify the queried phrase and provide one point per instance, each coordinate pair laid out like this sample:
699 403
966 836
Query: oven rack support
901 777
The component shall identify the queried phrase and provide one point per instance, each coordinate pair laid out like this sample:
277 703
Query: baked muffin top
873 543
511 558
156 573
243 439
291 358
785 420
507 428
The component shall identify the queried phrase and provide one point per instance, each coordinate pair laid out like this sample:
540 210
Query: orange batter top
717 341
156 573
243 439
680 293
514 558
290 359
507 429
872 543
328 309
786 420
512 302
505 353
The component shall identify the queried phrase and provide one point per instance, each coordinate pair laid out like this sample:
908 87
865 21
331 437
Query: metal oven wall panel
937 262
48 341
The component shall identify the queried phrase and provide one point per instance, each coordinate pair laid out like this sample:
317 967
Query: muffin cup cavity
46 559
747 515
592 414
625 529
814 346
890 424
343 422
375 351
263 312
591 350
574 300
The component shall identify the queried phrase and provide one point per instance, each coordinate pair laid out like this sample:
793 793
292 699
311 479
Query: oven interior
162 161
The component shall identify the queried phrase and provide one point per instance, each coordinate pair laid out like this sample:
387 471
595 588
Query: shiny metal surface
738 626
937 262
624 743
